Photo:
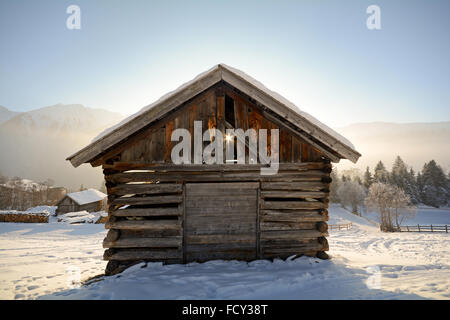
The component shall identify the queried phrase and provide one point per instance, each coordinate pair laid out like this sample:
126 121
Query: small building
90 200
161 210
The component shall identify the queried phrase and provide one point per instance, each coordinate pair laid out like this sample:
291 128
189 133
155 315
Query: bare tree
351 194
392 204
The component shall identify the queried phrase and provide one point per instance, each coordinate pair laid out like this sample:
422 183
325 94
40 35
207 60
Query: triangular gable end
312 130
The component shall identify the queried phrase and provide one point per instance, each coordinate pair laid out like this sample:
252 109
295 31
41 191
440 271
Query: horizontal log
221 247
147 188
127 177
212 203
291 204
147 212
148 200
211 255
165 242
145 225
301 186
291 250
125 166
268 226
322 226
112 235
293 194
292 234
130 255
293 215
223 238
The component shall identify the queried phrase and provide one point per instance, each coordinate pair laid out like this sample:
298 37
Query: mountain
6 114
35 144
415 143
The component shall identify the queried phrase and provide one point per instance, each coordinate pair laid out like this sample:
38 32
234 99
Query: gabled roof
86 196
321 136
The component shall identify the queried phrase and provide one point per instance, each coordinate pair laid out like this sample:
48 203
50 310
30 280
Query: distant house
90 200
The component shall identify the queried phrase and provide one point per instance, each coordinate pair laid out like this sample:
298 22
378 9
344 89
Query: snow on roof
113 135
87 196
250 80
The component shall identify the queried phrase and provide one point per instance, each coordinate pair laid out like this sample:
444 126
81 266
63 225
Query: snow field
36 261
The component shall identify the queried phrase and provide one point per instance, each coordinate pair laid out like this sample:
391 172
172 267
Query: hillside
35 144
6 114
416 143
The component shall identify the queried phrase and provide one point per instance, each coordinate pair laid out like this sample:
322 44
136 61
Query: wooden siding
153 145
182 213
220 221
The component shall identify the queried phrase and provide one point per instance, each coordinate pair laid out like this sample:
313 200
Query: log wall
179 214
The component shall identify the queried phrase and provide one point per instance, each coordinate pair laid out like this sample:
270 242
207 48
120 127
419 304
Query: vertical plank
296 150
168 143
305 152
285 146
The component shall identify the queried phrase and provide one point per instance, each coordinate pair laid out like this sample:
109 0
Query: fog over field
415 143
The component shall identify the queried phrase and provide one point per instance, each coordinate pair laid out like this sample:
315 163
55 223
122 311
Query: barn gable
273 106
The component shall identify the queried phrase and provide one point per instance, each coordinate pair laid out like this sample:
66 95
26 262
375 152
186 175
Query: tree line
393 194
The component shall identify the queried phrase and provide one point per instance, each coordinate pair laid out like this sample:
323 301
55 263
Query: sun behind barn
178 213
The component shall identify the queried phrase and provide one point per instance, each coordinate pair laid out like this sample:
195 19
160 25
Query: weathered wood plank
293 194
146 212
273 226
221 238
300 166
133 255
148 200
166 242
292 216
291 204
292 234
147 188
301 186
144 225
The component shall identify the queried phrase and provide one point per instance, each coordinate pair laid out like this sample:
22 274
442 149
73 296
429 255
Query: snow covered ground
37 260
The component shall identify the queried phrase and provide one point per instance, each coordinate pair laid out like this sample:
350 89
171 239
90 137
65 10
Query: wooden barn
178 213
89 200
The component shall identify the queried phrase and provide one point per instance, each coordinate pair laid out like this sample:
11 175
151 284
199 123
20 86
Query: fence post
446 230
431 228
407 228
418 226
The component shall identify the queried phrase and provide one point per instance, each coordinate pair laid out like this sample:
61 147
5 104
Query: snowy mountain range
35 144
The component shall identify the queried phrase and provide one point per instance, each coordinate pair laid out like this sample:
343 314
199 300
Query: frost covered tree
351 194
433 185
392 204
367 179
334 186
404 179
381 174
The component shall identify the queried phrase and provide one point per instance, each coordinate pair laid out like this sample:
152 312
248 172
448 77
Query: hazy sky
318 54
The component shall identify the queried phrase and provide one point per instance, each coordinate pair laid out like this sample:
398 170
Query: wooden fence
430 228
346 226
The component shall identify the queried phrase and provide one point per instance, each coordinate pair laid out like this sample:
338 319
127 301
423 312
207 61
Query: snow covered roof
329 141
87 196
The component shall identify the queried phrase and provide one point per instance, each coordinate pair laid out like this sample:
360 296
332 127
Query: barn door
220 221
